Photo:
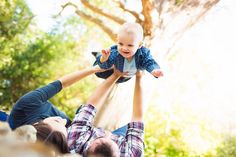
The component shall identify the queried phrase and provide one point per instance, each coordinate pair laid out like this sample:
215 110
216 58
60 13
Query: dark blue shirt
34 106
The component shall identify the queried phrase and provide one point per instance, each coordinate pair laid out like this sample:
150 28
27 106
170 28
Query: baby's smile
126 52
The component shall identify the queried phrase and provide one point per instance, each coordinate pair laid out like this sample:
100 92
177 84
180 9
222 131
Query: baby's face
128 44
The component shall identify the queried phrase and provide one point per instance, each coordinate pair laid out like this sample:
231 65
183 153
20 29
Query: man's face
128 44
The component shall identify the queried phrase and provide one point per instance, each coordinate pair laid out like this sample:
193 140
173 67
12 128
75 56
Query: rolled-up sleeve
134 144
81 128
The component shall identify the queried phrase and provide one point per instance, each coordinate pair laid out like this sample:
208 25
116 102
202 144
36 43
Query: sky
44 10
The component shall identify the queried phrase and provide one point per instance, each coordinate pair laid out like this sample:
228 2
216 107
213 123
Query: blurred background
190 112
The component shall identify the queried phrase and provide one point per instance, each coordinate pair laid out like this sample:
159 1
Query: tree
15 18
164 22
25 71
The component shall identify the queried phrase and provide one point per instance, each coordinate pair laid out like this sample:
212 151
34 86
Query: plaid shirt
81 134
143 61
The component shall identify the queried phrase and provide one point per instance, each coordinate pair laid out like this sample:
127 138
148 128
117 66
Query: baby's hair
133 29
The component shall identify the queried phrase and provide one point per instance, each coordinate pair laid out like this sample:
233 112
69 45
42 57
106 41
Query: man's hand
105 55
157 73
99 69
118 73
139 73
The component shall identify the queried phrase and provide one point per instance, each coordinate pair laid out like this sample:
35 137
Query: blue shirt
130 67
143 61
34 106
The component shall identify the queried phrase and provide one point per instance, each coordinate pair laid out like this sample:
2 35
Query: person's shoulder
114 47
114 51
144 49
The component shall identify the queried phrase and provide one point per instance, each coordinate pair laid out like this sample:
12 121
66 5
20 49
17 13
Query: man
89 141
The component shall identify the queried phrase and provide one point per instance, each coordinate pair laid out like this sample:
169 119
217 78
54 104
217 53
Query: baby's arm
105 55
150 64
106 60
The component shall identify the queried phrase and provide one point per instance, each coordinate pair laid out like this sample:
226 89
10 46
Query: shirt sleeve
30 106
42 94
148 62
81 128
134 144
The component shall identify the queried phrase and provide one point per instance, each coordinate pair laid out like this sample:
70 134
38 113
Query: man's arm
135 133
71 78
81 128
138 99
102 91
44 93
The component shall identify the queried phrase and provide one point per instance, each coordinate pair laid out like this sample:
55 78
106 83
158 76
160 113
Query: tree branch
64 6
96 21
101 12
135 14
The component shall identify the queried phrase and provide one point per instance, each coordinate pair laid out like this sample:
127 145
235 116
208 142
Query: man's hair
132 28
104 149
48 136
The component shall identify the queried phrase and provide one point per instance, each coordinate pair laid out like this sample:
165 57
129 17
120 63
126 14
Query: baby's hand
157 73
105 55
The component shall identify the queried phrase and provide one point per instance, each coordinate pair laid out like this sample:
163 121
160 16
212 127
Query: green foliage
15 16
161 137
31 58
26 68
7 4
170 134
227 148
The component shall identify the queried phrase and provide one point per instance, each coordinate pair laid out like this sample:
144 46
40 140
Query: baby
128 55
